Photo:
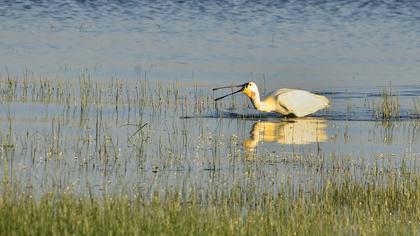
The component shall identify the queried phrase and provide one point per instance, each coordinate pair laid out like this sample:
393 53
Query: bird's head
249 89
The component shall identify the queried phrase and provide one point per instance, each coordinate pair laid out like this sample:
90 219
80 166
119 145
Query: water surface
307 44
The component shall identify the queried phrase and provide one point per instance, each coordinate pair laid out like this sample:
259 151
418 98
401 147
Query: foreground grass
346 208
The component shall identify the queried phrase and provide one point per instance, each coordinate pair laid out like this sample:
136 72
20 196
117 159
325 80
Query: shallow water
133 129
179 138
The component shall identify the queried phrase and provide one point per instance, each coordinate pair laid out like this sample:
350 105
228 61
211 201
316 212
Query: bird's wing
300 102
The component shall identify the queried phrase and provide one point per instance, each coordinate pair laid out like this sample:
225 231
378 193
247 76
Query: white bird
298 103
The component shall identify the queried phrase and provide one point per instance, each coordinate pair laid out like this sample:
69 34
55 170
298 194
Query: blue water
306 44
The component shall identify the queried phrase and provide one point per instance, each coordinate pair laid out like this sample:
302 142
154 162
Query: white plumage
297 102
285 101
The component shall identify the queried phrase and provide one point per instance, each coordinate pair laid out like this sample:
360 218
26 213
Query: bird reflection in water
297 131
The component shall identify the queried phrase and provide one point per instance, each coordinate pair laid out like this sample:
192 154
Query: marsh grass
388 108
415 112
339 207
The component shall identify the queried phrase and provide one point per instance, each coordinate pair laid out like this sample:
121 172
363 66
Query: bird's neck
256 101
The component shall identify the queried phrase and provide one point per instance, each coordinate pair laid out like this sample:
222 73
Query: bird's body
285 101
291 102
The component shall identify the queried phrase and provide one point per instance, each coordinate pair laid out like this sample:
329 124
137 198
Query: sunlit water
307 44
350 51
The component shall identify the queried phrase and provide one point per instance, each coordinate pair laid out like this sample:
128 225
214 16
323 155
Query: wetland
108 123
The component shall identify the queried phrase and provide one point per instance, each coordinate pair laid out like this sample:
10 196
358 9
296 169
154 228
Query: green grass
345 208
388 108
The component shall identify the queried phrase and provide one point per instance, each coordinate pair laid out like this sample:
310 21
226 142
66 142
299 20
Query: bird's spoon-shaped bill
232 86
217 99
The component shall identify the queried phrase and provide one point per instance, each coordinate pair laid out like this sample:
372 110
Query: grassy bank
346 208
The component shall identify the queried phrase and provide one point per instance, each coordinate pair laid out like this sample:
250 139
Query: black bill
232 86
240 90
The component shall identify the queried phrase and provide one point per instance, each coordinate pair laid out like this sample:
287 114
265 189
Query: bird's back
297 102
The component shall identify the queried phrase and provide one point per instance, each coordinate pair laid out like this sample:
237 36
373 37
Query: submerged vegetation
141 157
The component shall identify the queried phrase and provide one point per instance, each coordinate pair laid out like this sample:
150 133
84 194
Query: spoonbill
288 102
